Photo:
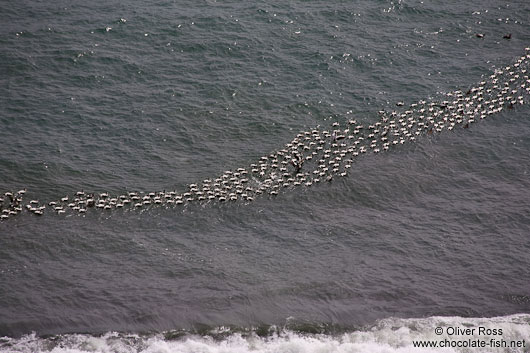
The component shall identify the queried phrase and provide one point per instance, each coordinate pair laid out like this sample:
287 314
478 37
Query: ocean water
146 96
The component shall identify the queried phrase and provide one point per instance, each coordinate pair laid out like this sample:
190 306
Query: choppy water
151 96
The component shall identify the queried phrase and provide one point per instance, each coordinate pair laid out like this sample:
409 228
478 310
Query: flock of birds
313 156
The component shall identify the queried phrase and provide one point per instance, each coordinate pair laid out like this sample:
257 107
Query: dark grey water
154 95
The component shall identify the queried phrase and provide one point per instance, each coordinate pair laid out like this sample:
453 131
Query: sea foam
385 336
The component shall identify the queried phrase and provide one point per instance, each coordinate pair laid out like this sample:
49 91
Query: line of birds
316 155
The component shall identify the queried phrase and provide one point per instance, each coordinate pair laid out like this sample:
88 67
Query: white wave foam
386 336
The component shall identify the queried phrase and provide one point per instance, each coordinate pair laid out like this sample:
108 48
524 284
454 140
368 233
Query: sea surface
120 96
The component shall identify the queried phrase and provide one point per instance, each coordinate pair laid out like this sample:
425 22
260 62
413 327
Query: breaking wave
498 334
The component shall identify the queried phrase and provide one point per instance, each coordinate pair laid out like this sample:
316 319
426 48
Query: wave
432 334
